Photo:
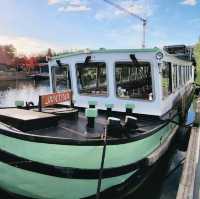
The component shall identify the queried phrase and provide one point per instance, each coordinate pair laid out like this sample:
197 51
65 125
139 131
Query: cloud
74 8
138 7
70 5
52 2
189 2
142 8
28 45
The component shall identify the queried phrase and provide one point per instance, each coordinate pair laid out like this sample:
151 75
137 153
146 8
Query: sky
33 26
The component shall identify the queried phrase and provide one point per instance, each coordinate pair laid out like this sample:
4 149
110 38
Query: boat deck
77 129
53 125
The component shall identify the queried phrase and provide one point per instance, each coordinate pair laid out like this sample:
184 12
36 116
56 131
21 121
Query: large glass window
91 78
61 78
133 80
166 79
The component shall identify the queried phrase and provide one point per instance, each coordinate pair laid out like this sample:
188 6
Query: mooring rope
180 124
102 165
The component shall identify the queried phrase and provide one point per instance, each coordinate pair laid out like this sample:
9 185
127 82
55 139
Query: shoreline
12 75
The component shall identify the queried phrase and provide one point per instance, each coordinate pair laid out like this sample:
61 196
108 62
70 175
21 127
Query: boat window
186 68
190 72
133 81
175 80
61 78
92 78
183 68
180 75
185 73
166 79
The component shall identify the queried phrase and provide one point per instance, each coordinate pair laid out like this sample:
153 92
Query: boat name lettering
51 99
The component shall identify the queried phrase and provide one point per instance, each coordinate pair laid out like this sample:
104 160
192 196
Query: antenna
144 21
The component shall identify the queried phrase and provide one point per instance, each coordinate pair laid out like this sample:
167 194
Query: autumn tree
7 54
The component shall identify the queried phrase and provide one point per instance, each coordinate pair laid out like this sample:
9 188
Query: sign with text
55 98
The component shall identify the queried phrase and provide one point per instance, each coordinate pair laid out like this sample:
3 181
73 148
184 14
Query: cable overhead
144 21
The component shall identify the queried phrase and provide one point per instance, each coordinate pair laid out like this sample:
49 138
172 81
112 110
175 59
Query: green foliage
197 59
197 54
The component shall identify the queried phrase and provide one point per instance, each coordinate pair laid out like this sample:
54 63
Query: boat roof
103 50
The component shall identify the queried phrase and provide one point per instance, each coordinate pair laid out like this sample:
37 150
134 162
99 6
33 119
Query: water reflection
191 113
10 91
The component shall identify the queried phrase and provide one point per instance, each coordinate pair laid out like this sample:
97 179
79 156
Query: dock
189 187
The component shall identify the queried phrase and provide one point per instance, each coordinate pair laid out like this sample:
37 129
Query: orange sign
55 98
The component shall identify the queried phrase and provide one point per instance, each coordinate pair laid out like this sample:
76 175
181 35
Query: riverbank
13 75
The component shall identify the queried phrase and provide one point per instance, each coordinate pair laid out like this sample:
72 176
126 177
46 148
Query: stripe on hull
36 185
85 157
66 172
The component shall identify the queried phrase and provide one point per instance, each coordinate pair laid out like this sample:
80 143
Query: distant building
44 68
3 67
181 51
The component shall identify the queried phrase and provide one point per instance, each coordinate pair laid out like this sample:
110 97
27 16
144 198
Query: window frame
151 62
170 80
180 75
107 79
53 78
175 69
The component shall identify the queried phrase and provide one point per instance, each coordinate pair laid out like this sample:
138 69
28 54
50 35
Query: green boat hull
30 183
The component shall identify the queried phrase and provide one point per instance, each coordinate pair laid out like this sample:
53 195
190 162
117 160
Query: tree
197 60
7 54
20 62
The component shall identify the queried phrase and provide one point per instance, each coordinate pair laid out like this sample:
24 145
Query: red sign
55 98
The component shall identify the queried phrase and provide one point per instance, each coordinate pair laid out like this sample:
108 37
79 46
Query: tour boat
110 117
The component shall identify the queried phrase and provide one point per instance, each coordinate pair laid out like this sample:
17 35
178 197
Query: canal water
28 91
164 182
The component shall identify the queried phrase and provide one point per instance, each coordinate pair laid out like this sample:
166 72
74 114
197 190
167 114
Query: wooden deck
189 187
24 115
27 120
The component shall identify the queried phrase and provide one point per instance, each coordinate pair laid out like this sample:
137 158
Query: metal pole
144 33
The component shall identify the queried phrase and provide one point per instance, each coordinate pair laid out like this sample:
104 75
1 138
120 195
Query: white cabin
151 82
